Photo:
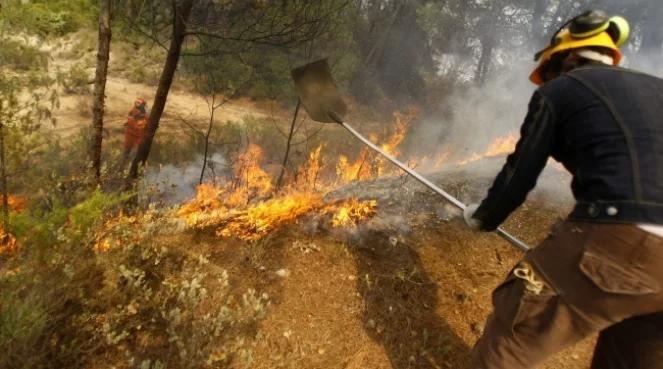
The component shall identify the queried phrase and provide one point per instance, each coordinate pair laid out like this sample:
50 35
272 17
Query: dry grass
366 300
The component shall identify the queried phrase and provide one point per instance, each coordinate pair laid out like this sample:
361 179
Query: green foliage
89 281
76 80
26 101
255 58
49 17
46 297
140 72
263 133
183 301
19 56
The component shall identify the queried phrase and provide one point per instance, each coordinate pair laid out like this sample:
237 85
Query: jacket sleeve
523 166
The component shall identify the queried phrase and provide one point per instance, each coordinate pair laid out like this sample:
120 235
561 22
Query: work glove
473 223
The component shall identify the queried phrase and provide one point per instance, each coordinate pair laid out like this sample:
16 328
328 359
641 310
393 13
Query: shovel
319 96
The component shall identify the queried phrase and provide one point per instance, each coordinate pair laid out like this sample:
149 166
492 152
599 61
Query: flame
249 208
106 236
16 203
369 165
359 170
208 197
308 175
257 221
8 244
401 125
352 211
250 180
501 146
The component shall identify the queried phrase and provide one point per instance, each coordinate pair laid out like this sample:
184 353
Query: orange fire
249 208
106 236
350 213
207 197
370 165
8 244
501 146
257 221
308 175
251 180
359 170
16 203
402 123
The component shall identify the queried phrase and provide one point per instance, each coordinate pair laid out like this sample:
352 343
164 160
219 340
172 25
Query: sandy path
75 112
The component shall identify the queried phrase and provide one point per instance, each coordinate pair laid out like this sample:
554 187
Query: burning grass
249 206
353 211
259 220
501 146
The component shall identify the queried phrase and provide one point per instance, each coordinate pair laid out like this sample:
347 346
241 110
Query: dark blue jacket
605 125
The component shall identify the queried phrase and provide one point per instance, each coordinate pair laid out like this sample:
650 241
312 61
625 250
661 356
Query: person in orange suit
135 127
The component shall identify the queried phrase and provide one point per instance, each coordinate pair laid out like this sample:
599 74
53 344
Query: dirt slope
409 289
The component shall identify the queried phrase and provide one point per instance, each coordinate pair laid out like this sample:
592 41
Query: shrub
90 281
48 300
19 56
76 81
49 17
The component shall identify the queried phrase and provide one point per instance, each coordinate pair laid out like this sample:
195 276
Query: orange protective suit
135 131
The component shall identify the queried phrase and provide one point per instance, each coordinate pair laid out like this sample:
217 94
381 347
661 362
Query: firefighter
600 270
135 127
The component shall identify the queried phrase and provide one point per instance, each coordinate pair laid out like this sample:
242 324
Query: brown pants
586 278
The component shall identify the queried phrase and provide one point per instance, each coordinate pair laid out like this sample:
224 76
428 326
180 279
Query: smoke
174 184
648 61
472 117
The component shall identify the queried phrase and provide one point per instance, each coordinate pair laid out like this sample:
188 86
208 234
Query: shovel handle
513 240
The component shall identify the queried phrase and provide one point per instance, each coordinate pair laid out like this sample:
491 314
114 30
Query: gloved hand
473 223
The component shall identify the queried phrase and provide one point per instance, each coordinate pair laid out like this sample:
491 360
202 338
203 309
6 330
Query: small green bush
76 81
90 282
49 17
19 56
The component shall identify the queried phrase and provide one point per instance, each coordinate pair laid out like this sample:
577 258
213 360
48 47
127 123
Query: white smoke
176 183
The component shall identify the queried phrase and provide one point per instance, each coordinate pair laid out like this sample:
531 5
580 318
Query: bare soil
408 289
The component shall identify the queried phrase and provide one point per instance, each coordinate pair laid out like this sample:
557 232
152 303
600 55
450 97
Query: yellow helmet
609 34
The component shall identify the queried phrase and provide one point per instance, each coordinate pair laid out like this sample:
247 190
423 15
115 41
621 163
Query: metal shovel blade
318 92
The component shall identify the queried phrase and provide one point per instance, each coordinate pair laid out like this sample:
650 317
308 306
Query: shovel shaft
513 240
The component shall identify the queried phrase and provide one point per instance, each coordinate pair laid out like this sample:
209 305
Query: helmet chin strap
596 56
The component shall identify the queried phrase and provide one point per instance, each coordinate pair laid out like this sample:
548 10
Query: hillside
332 258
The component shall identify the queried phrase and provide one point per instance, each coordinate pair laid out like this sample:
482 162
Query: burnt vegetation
240 233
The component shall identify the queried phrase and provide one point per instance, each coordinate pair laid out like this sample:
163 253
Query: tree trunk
207 134
538 33
3 178
100 86
287 146
488 40
652 31
487 45
181 12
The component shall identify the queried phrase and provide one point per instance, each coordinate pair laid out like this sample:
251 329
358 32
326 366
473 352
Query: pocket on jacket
616 275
